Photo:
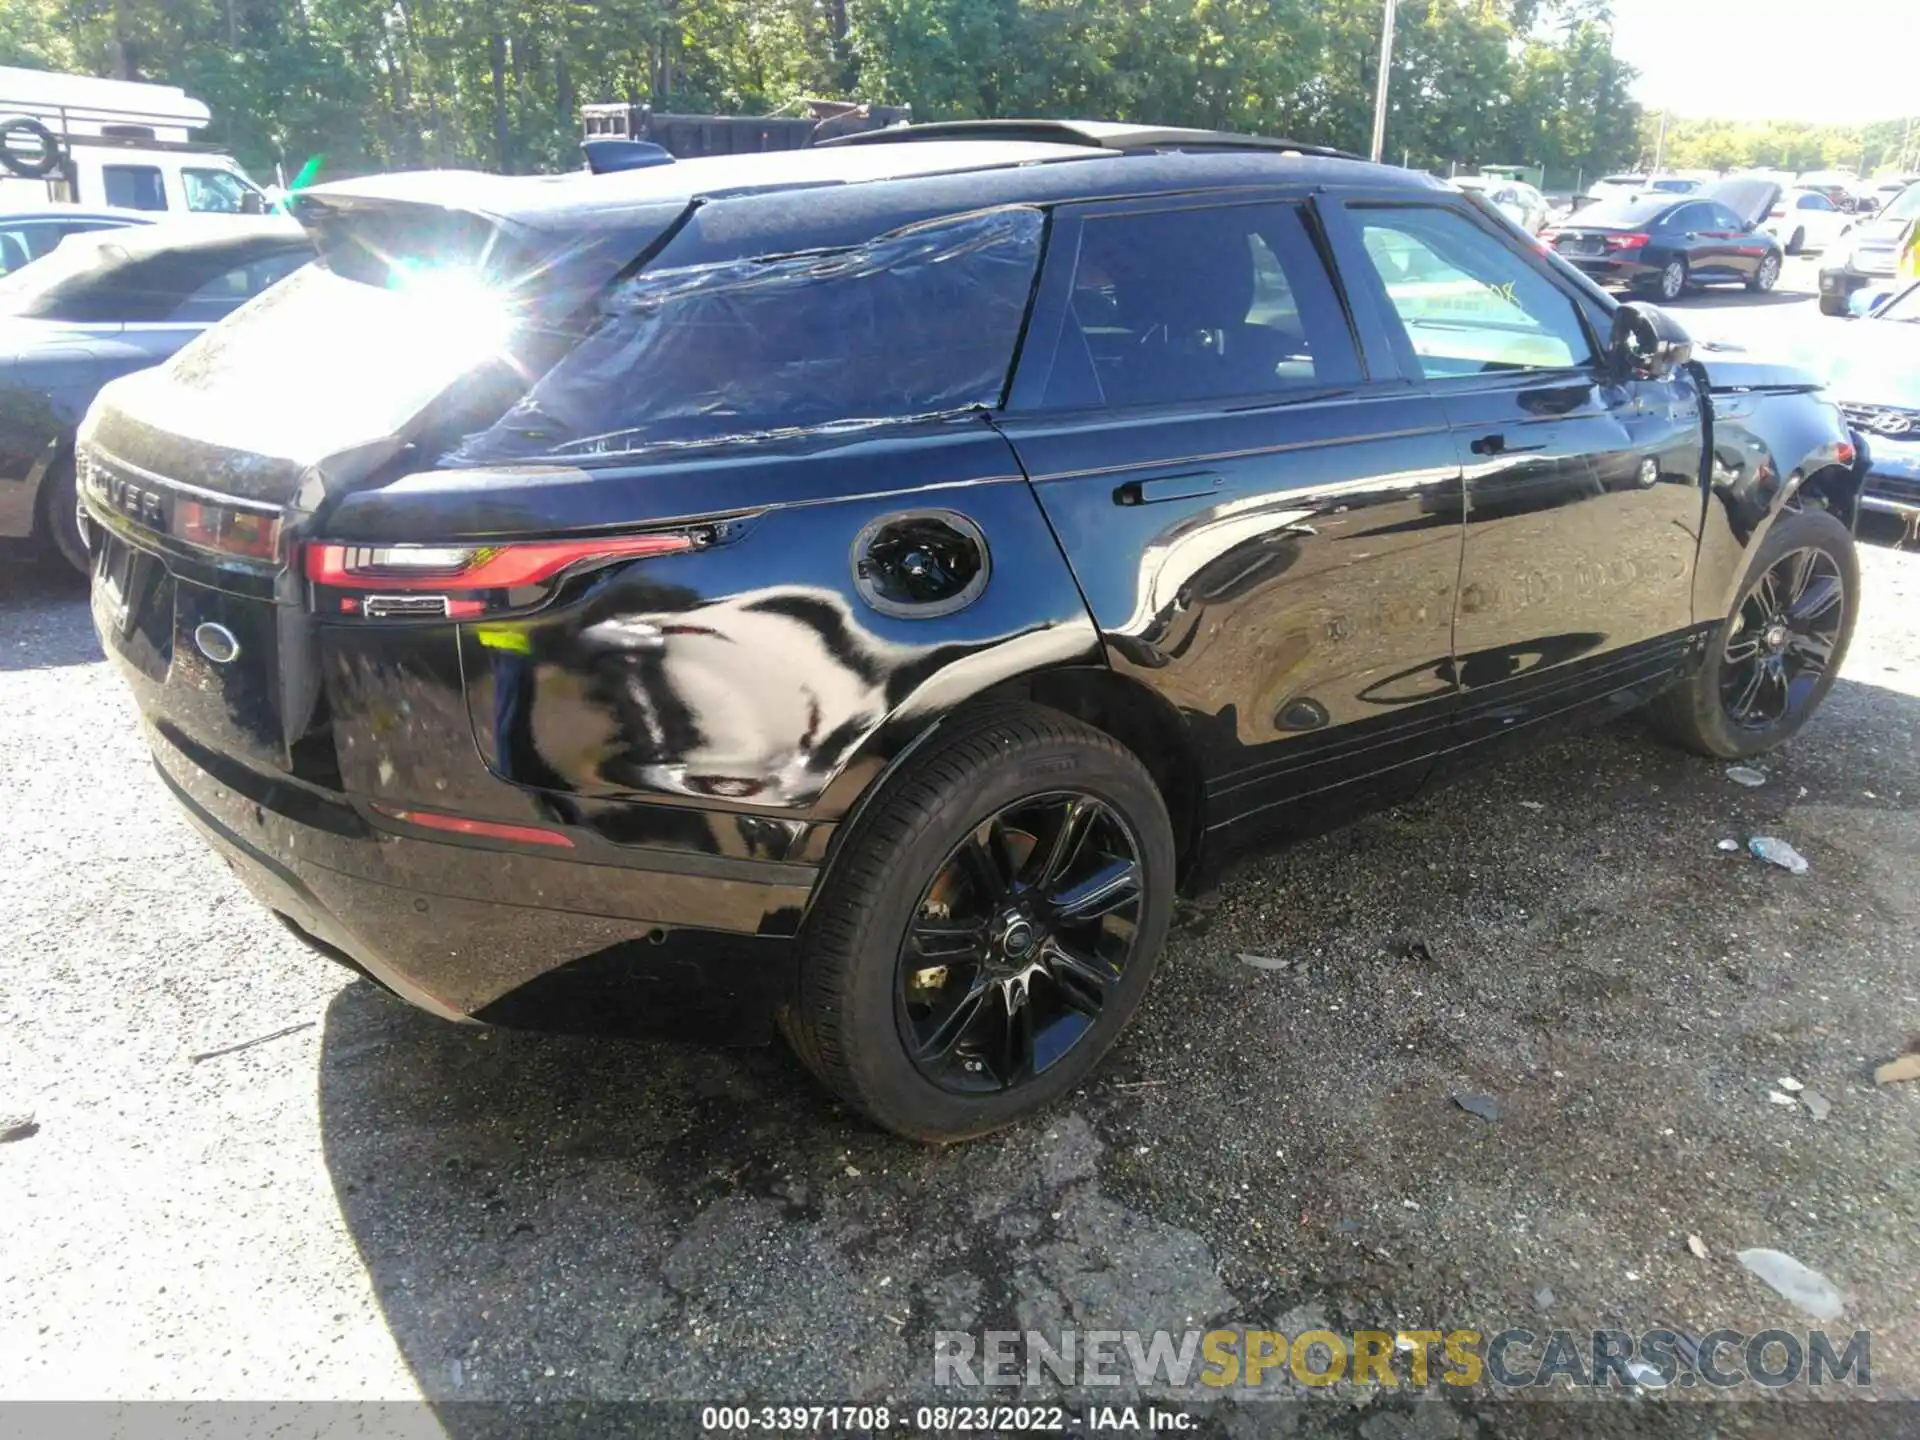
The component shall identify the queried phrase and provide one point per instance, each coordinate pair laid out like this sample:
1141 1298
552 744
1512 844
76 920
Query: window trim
1053 297
1353 255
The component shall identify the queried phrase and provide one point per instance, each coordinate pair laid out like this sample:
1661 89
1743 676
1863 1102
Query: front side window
1470 305
1724 219
134 187
920 321
214 190
1815 202
1201 304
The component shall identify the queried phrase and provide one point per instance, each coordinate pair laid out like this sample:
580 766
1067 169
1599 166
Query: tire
929 853
1672 283
1833 305
59 517
1767 276
1702 714
1797 243
50 156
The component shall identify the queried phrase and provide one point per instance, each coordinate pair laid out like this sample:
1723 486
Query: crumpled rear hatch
202 475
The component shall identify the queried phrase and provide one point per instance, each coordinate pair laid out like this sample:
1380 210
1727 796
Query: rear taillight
439 582
210 525
1777 212
1626 242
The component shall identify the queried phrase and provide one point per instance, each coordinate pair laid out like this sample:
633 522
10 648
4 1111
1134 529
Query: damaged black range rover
864 585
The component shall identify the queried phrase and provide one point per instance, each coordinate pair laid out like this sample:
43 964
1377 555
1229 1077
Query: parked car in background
1808 220
82 140
1515 199
1664 245
880 608
26 235
1874 372
1871 254
101 305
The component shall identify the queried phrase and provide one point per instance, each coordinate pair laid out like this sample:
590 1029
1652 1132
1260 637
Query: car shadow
44 627
1714 297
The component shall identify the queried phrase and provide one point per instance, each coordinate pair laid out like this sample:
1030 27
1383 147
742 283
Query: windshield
1676 187
1622 213
1906 207
1903 307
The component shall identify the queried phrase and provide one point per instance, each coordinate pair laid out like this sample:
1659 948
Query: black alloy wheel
1772 660
1783 640
1018 942
988 927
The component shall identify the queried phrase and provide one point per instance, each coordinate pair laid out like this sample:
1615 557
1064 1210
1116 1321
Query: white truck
76 139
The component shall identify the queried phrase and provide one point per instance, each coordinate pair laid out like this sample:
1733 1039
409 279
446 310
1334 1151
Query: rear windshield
919 321
99 278
1622 213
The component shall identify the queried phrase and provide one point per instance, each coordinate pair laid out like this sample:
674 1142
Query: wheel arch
1770 452
1125 710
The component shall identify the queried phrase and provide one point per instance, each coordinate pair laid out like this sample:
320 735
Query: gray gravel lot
376 1205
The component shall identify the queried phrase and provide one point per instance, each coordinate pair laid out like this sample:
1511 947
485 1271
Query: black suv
863 586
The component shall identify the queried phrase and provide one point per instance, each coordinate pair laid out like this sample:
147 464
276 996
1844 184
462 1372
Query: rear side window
226 292
919 321
1470 305
134 187
1213 303
1815 202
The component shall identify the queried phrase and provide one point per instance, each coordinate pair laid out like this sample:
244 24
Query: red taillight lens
480 567
486 829
1626 242
226 529
461 582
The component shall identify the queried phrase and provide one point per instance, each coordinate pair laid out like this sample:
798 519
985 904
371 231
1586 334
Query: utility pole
1660 145
1380 90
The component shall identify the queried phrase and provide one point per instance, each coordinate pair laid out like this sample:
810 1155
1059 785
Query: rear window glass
920 321
1620 212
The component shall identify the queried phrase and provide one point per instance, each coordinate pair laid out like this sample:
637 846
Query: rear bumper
1617 270
491 934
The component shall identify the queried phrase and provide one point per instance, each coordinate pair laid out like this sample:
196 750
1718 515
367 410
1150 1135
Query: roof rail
1094 134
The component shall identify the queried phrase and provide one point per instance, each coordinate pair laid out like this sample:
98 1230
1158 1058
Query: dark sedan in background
98 307
1666 244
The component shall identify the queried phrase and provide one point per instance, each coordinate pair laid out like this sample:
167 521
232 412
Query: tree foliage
496 83
1782 145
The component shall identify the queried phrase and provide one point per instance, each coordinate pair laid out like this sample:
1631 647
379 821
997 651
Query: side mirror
1647 343
251 203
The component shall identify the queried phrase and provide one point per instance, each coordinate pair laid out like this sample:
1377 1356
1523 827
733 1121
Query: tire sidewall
1764 281
1794 530
59 515
1670 291
898 1094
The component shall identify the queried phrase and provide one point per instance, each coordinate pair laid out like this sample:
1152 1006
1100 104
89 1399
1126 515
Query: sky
1833 62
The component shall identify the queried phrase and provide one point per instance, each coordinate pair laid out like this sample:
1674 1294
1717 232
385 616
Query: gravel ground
370 1204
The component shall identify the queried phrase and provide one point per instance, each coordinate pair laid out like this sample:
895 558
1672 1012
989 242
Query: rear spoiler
539 240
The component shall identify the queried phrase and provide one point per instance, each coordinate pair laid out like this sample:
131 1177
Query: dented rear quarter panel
751 675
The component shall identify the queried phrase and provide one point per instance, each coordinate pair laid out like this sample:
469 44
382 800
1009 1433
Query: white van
76 139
